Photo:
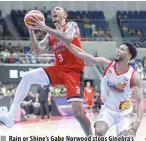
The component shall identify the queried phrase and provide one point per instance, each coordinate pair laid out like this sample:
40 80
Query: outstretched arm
86 56
137 83
139 96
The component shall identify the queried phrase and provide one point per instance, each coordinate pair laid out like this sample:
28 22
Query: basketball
37 13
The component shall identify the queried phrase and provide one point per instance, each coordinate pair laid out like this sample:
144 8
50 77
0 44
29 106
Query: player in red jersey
68 68
88 95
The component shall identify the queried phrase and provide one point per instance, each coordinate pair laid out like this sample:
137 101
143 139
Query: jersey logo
119 88
57 44
125 105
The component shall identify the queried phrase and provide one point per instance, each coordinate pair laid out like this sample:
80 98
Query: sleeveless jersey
63 57
116 89
88 93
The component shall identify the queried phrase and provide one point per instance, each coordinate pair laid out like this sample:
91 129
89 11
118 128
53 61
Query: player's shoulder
136 76
72 23
47 35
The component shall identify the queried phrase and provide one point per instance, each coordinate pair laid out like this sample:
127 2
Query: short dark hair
65 10
132 49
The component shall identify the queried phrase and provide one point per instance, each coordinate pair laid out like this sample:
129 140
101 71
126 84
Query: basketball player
88 95
68 68
116 87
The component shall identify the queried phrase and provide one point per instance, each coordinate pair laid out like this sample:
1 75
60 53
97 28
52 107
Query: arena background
115 22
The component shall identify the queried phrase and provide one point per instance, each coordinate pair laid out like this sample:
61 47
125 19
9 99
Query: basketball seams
33 13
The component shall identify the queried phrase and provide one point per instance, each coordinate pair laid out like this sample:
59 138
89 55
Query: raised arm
67 36
38 47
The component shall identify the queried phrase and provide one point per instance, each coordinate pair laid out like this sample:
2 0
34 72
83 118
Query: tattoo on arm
72 30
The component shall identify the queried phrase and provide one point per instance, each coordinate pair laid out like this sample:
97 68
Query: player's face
58 14
88 84
123 53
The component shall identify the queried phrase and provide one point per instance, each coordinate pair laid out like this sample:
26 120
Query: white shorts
111 117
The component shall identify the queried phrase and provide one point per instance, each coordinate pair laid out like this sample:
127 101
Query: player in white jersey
116 88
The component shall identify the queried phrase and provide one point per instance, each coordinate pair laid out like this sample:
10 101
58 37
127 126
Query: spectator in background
99 101
132 32
88 96
5 54
139 67
57 90
142 38
125 17
44 10
27 104
107 37
139 32
44 96
137 44
3 90
85 19
94 32
87 25
78 19
49 17
107 31
101 32
125 30
143 60
11 58
36 105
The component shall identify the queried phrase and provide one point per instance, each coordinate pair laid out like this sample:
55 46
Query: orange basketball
37 13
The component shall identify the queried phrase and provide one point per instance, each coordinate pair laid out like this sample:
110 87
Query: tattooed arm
67 36
38 47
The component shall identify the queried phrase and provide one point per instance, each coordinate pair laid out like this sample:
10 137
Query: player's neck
122 66
62 23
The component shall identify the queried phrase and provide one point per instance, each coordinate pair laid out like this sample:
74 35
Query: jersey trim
117 73
107 68
131 79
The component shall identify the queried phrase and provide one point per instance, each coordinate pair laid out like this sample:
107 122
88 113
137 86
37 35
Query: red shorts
72 79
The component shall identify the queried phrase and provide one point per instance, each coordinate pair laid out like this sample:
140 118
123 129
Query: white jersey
116 89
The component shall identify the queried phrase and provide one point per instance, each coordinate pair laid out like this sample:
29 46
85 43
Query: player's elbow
67 40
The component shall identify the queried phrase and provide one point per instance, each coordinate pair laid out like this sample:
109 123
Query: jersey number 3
60 57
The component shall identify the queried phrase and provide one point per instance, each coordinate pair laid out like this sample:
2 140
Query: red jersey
88 93
63 57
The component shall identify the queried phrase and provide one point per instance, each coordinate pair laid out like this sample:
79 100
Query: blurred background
103 26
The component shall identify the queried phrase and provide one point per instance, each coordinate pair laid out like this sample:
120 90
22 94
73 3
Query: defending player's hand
37 24
133 127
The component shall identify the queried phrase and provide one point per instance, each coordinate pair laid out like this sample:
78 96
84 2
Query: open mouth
54 16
